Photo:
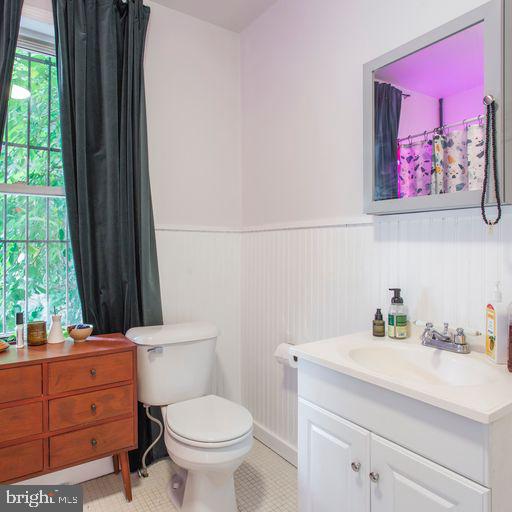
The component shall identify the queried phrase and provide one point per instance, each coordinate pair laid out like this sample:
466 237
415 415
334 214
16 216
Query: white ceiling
231 14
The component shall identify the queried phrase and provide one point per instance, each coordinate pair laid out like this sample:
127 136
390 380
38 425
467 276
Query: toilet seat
208 422
211 446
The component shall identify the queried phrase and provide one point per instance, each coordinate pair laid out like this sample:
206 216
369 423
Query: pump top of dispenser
396 299
378 314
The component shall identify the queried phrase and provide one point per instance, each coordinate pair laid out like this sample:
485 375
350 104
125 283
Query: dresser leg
125 471
115 458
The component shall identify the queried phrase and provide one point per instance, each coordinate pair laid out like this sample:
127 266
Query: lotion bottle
496 327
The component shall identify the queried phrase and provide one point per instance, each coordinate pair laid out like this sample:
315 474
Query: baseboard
275 443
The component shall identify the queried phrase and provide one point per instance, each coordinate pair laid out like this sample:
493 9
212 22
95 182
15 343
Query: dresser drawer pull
93 408
93 372
93 442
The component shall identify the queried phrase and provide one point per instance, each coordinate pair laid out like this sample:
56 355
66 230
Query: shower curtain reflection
415 168
443 164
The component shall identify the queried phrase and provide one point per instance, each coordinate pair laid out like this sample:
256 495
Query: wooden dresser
65 404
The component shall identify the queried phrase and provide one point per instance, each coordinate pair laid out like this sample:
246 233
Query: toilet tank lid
172 333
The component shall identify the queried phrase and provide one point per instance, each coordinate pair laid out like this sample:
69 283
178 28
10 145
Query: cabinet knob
93 407
93 372
356 466
374 476
93 442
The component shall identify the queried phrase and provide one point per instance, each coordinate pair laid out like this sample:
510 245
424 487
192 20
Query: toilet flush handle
157 350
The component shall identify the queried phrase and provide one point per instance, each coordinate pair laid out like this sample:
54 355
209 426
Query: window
37 274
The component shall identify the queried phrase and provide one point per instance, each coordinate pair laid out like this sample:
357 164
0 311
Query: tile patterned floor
264 483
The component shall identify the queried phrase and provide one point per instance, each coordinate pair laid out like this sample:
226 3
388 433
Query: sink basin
423 365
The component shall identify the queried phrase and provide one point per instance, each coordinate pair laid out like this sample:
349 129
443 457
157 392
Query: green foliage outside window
36 263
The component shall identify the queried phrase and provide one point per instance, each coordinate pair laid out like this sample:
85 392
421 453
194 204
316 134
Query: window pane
57 218
54 114
2 234
39 81
16 217
57 277
17 119
16 165
38 173
2 270
36 283
56 172
37 218
3 154
15 282
74 306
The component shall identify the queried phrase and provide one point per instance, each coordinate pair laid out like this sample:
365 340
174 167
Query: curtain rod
441 128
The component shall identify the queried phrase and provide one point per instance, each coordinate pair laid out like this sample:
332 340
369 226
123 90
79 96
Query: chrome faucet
445 341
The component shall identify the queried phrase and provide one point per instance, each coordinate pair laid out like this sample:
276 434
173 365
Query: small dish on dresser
3 345
80 332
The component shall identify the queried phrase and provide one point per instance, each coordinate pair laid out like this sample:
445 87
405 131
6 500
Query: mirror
425 121
429 119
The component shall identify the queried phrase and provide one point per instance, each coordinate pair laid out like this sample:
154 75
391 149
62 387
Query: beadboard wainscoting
263 286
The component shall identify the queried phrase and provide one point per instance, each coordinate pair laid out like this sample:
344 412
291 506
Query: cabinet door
406 482
334 457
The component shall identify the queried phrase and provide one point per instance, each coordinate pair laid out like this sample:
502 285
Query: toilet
207 436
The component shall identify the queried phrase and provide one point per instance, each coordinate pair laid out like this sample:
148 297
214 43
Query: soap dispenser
398 327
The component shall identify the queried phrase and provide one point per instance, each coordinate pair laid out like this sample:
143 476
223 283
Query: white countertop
469 385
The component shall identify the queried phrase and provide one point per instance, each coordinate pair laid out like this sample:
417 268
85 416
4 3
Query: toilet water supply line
143 472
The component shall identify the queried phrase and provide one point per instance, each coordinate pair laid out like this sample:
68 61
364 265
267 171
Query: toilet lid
208 419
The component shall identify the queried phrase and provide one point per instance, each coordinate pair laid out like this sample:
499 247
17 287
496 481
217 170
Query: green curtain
10 12
100 53
388 105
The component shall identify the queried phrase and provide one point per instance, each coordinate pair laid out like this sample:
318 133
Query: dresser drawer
21 459
21 421
89 371
20 383
96 405
91 442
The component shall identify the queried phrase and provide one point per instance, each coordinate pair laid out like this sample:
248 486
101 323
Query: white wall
193 107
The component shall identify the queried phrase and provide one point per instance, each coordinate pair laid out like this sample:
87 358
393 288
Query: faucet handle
446 331
460 337
429 326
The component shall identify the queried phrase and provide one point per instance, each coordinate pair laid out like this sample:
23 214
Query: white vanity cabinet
346 468
372 443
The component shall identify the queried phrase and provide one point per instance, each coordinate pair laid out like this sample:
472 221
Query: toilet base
209 492
209 483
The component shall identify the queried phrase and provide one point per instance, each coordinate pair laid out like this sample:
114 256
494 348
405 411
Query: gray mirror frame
496 70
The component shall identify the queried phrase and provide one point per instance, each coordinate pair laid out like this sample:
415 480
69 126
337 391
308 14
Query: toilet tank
174 362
